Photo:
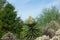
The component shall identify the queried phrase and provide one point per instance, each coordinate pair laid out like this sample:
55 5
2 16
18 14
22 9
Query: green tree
2 2
48 15
10 21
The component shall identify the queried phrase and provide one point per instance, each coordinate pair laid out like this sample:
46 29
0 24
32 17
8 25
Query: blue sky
25 8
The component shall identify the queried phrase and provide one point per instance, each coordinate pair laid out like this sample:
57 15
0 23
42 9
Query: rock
44 37
8 36
57 32
51 33
51 28
55 38
57 35
39 38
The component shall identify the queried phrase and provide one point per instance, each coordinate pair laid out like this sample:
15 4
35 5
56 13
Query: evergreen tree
10 21
2 2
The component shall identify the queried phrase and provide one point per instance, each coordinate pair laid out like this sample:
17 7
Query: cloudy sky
25 8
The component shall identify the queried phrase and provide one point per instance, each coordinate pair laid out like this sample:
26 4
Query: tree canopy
9 20
49 15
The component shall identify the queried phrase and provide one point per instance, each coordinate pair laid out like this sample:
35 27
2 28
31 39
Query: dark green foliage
9 20
8 17
2 2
